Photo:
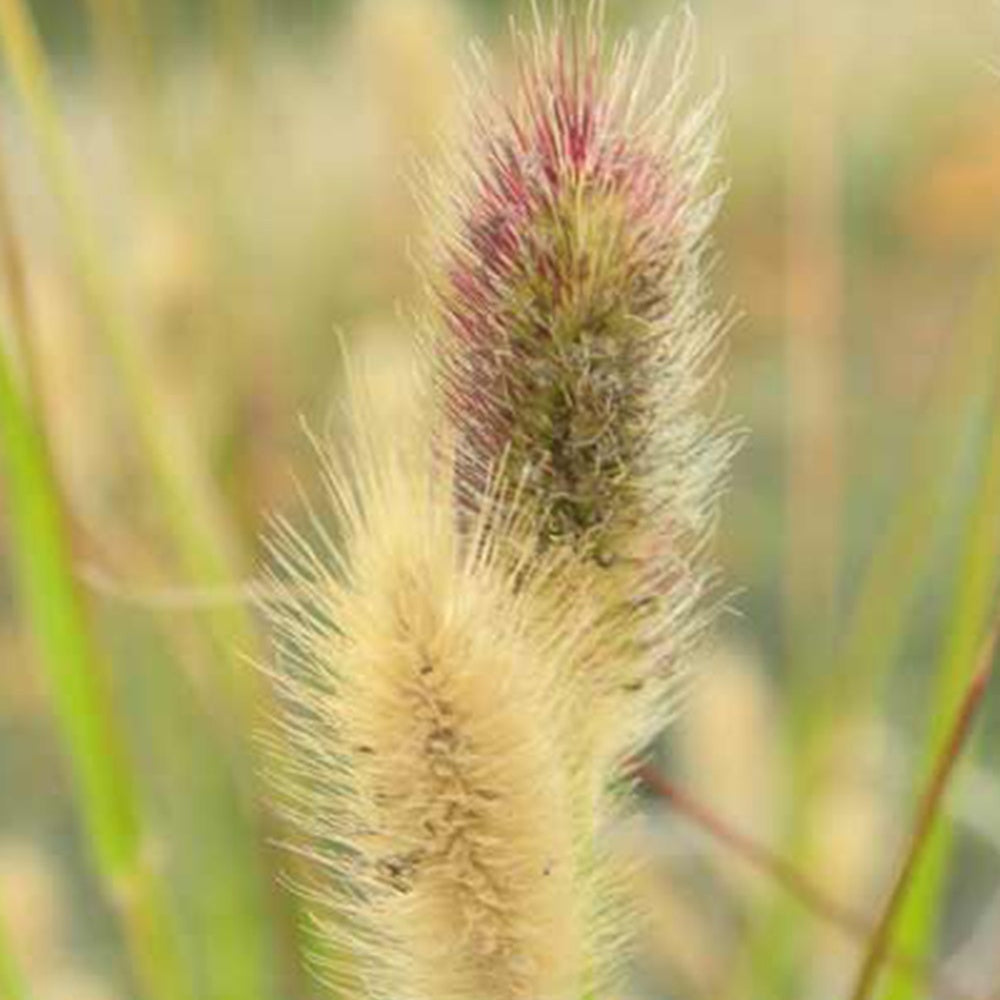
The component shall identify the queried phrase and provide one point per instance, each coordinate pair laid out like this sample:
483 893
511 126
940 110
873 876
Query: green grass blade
199 531
78 680
978 575
927 814
879 614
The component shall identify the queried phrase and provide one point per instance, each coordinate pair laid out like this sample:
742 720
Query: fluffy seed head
421 743
573 338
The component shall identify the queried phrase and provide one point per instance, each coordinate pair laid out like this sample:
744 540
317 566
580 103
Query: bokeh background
213 196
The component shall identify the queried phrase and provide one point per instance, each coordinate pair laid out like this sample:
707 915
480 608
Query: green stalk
929 811
198 529
978 576
877 623
79 681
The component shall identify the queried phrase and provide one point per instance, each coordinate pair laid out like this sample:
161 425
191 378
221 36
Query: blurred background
200 198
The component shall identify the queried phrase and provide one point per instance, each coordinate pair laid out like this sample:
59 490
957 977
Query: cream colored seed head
423 741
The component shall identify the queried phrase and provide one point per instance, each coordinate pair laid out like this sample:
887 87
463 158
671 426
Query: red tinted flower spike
573 335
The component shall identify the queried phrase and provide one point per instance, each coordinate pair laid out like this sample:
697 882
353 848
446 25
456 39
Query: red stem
849 921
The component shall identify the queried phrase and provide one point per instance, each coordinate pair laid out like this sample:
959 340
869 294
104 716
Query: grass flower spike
505 613
573 338
422 744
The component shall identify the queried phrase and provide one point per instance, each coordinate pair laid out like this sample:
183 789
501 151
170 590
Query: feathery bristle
572 335
422 743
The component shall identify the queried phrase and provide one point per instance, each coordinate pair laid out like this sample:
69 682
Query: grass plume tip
573 338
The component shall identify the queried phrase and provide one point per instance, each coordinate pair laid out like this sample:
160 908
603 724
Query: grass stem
199 531
927 813
847 920
79 681
877 618
979 571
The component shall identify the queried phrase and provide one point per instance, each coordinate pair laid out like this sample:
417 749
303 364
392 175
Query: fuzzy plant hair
505 608
572 337
421 743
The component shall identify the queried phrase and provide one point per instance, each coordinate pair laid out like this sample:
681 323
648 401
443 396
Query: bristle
572 335
421 745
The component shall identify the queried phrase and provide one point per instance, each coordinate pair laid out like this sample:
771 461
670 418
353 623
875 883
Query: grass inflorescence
476 635
516 590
